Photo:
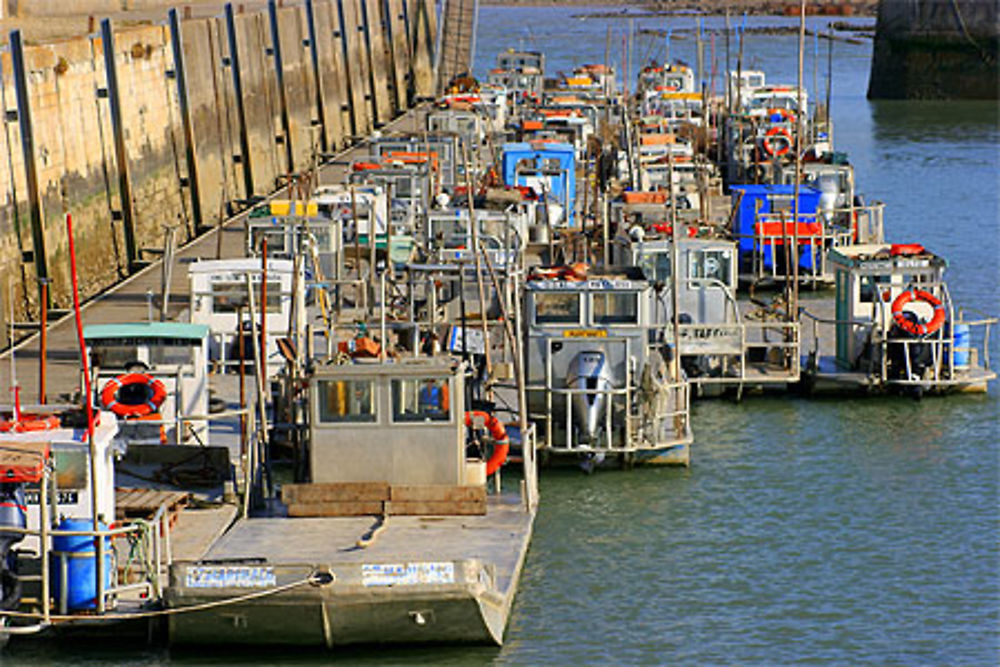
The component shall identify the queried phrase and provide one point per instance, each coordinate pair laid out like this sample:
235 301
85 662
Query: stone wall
246 124
936 49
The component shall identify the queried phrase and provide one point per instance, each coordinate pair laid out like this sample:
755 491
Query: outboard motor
589 370
13 514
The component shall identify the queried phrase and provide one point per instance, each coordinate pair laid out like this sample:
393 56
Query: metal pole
674 270
263 298
799 127
43 339
474 227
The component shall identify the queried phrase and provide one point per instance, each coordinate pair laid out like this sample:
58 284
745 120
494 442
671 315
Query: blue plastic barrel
961 352
81 565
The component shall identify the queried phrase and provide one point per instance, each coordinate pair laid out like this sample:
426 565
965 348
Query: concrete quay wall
936 49
192 120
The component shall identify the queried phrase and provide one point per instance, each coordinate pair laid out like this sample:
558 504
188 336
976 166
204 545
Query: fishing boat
402 532
602 387
895 328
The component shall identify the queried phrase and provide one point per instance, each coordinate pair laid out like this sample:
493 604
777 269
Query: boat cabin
549 169
719 344
443 148
219 299
317 239
156 371
402 424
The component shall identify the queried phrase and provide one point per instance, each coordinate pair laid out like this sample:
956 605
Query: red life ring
109 395
29 423
912 326
776 131
501 443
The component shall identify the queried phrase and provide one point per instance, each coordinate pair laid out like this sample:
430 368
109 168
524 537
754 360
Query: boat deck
499 537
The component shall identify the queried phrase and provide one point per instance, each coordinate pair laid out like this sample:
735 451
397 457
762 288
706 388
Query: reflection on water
971 122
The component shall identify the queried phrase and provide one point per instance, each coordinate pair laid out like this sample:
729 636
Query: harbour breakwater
936 49
162 131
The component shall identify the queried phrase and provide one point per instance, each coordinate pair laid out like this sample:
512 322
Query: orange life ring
29 423
915 327
109 395
775 131
501 443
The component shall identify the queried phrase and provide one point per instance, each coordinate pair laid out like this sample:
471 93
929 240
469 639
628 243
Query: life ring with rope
156 393
912 324
777 132
501 443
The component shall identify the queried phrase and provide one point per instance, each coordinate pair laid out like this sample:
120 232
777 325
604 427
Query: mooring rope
315 578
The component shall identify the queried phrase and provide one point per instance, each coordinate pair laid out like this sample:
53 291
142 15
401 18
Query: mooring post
180 78
241 115
325 141
121 152
279 73
28 151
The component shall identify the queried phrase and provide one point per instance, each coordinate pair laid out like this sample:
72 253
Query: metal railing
152 535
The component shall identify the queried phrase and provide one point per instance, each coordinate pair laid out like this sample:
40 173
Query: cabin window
615 308
872 287
228 295
421 400
346 401
656 266
710 265
557 308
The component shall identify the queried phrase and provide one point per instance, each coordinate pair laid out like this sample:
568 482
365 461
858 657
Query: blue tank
81 565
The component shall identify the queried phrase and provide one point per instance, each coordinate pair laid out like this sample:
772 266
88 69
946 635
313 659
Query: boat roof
403 368
538 147
172 330
239 264
886 256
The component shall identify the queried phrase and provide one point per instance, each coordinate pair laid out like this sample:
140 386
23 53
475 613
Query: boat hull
342 612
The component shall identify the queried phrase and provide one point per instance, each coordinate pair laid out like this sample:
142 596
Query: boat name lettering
62 497
585 333
230 576
408 574
588 284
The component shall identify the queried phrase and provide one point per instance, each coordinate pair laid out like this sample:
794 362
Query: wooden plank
437 493
435 508
342 508
334 492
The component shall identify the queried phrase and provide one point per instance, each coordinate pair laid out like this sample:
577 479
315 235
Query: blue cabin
548 168
754 201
